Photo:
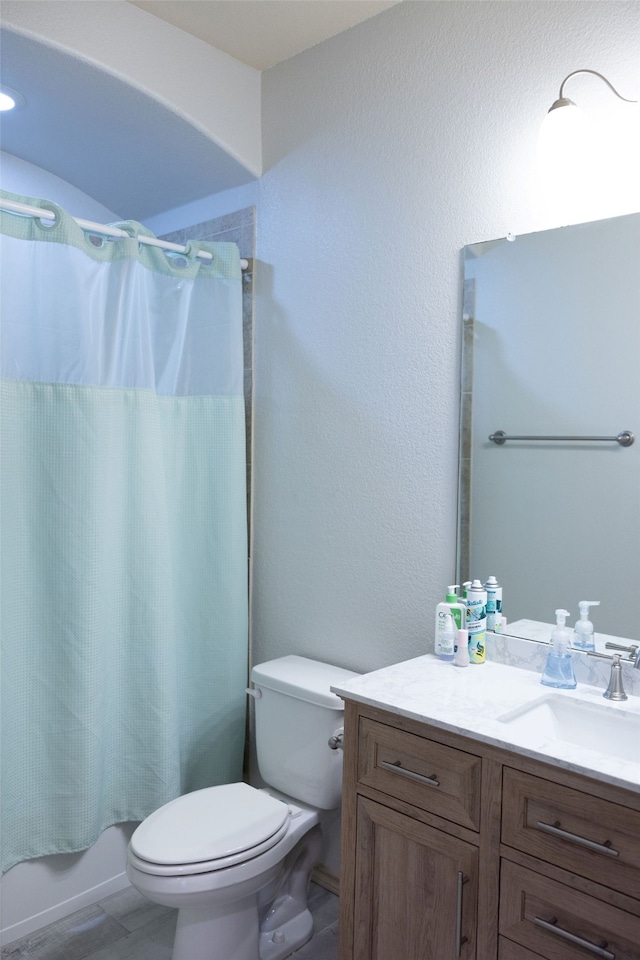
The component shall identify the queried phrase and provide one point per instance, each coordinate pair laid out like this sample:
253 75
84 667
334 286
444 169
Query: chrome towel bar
625 438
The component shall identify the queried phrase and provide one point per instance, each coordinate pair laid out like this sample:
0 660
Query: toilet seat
209 829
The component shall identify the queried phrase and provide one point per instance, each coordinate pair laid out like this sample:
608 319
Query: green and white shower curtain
124 540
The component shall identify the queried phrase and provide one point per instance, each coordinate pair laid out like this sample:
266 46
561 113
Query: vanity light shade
565 154
572 160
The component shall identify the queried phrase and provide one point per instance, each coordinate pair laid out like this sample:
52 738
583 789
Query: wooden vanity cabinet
456 850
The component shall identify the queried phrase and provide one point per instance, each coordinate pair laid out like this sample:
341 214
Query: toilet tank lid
302 678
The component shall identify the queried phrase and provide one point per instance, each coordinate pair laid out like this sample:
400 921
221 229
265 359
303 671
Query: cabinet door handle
459 938
551 927
556 830
395 767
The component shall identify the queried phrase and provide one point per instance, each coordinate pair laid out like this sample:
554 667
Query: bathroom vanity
468 832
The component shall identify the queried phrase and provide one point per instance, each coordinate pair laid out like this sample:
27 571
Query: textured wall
386 150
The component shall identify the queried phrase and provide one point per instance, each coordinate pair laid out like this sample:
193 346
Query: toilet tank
296 714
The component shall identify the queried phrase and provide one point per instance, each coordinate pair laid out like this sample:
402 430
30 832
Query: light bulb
10 98
565 157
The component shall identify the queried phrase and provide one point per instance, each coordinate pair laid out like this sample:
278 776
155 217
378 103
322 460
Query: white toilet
236 860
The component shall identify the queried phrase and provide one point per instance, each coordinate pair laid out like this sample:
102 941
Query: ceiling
127 150
262 33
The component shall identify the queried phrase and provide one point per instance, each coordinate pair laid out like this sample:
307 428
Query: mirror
551 348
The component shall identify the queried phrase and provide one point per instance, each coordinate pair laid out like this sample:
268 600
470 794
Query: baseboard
64 909
326 878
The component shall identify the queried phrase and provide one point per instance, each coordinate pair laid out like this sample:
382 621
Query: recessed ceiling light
10 98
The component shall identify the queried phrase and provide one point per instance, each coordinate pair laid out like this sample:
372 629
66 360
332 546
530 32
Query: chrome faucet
615 690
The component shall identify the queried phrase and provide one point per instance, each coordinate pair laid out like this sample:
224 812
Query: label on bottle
477 642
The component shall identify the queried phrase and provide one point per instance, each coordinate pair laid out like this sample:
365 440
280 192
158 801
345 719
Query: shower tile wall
239 228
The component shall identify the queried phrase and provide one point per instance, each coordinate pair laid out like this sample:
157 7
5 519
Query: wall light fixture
574 159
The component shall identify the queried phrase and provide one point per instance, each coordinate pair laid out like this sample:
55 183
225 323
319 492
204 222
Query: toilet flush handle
335 742
255 693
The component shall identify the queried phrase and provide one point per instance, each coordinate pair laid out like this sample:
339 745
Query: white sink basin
607 729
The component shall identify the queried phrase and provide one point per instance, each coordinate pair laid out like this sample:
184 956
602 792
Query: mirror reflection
552 349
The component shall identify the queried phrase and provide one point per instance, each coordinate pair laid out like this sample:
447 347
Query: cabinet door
416 889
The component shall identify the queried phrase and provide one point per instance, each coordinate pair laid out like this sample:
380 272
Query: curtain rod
42 213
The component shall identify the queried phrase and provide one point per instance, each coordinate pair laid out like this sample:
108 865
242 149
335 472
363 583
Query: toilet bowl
209 853
236 860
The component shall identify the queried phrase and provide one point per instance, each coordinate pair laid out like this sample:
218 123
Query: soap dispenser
583 630
558 670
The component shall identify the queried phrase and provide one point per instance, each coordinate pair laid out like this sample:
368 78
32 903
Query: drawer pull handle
431 781
556 830
459 938
551 926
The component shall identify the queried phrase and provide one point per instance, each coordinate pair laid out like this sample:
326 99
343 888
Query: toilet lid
209 824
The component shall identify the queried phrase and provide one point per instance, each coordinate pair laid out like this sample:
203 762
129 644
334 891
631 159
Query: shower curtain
124 538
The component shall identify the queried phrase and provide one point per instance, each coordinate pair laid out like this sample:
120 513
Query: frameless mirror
551 350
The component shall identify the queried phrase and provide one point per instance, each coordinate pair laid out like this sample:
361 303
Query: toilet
235 860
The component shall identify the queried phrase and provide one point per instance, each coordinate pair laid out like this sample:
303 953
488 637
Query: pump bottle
558 669
446 639
583 638
457 608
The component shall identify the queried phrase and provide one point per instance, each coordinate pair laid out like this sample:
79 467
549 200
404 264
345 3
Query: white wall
18 176
386 150
182 72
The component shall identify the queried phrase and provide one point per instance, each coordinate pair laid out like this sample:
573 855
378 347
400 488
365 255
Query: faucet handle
615 690
632 650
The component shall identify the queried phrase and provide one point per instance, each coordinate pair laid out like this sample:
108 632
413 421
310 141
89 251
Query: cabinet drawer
573 830
429 775
508 950
557 922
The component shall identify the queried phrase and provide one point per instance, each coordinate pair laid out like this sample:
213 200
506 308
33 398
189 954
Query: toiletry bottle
494 604
457 608
558 669
461 654
477 621
450 607
446 638
583 631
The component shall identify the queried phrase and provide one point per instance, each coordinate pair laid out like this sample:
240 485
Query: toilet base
278 944
203 935
236 936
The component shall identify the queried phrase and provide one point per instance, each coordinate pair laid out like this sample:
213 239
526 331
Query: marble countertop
469 701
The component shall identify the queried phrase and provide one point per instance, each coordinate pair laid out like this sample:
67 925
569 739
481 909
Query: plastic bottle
446 639
457 608
477 621
453 606
494 604
558 669
583 631
461 654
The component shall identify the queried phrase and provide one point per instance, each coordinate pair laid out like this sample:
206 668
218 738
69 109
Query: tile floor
125 926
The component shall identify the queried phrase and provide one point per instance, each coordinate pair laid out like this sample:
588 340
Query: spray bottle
558 669
477 621
583 631
494 604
